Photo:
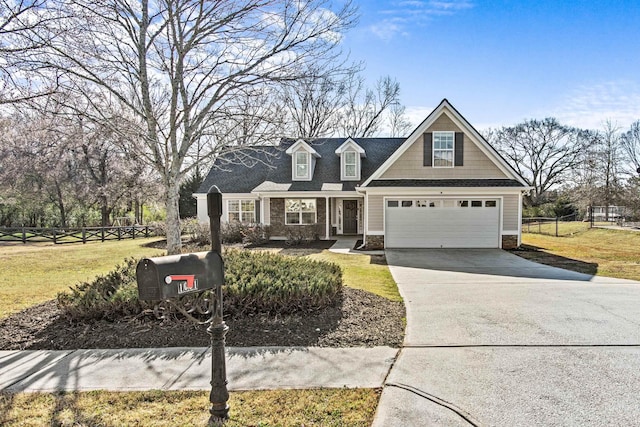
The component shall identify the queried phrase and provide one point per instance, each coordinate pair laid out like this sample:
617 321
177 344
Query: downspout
365 218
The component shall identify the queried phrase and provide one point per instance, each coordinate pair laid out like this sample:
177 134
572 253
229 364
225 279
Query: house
444 186
608 213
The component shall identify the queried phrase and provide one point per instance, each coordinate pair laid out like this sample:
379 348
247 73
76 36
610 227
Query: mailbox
172 276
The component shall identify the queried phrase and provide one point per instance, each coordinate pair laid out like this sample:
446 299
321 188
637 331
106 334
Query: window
443 149
350 164
407 203
476 203
463 203
490 204
392 204
300 211
241 211
302 164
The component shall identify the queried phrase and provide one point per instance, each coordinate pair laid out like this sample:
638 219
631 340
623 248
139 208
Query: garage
442 223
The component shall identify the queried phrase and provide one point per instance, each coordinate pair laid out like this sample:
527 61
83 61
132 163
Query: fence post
146 231
84 236
119 233
102 234
24 235
55 241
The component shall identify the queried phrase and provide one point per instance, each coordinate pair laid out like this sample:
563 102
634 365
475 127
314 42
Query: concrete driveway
493 339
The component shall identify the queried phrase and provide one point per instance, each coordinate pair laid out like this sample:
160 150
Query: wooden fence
72 235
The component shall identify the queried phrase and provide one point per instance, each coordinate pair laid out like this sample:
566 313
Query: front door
350 217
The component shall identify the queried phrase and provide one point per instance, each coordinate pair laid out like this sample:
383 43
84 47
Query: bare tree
544 152
176 65
17 19
364 109
630 141
39 165
610 164
398 124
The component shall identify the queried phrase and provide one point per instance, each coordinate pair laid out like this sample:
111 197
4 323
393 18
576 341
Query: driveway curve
494 339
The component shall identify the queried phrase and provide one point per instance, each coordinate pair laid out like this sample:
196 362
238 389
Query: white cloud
407 13
589 106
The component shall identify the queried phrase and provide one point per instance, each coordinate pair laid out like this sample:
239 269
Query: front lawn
612 253
326 407
35 272
366 272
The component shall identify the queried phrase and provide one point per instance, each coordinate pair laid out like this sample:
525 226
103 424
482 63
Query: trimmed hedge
107 297
264 282
256 282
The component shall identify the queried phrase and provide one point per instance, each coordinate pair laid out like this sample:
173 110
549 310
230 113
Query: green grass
366 272
325 407
612 253
35 272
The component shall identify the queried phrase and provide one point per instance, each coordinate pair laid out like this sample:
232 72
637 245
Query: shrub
256 282
264 282
255 234
199 232
107 297
231 232
299 234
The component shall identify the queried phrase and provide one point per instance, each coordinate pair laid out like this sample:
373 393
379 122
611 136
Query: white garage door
442 223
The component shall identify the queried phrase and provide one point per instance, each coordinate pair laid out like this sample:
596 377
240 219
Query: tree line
570 169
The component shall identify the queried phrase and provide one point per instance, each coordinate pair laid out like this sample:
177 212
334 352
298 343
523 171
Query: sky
502 62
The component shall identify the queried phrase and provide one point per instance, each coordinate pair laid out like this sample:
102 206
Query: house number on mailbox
185 282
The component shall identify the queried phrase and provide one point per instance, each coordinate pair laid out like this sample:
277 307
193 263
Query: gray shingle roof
269 168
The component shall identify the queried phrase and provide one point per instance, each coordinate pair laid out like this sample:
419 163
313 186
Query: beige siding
510 212
476 163
375 211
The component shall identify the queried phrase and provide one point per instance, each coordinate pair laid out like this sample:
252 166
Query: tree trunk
104 210
61 207
174 243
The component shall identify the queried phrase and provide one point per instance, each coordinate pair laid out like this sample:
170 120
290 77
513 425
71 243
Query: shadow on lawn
541 256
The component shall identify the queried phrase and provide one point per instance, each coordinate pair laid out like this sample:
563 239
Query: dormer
303 161
351 155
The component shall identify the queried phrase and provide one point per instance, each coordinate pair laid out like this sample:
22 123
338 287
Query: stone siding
374 243
509 242
278 227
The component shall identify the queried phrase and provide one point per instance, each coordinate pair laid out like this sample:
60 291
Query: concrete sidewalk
251 368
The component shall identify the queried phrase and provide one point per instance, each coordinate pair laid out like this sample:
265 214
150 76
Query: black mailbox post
172 276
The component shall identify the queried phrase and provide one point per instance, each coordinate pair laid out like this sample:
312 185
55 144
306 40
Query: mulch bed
359 318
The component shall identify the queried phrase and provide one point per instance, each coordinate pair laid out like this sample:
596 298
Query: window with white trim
300 211
241 211
350 164
301 165
443 143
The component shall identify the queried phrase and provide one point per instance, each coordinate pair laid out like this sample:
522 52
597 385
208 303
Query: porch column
328 219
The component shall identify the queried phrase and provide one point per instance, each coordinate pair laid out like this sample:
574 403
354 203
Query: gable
410 165
476 160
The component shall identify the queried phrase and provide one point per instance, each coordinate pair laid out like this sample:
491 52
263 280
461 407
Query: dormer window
303 160
302 165
350 164
351 155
